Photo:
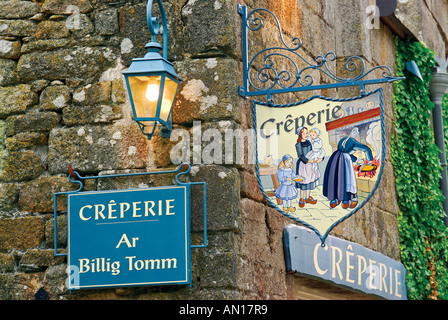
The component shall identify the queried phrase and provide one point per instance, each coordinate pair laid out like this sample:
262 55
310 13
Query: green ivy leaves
423 236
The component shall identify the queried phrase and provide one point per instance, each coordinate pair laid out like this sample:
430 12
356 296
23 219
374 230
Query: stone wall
63 102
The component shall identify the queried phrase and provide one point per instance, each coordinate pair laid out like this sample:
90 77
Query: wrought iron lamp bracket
154 25
270 79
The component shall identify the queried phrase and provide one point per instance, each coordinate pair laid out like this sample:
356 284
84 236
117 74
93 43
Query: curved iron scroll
274 79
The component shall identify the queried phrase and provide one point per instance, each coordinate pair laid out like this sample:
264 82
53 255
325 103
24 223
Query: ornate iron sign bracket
75 177
263 76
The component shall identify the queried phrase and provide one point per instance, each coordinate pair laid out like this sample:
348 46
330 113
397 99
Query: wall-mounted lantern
152 82
412 67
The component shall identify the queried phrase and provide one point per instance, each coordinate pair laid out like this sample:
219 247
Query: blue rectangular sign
137 237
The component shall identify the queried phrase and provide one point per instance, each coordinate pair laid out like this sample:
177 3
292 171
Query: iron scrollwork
272 78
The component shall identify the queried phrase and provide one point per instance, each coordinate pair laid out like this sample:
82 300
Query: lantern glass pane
145 93
169 94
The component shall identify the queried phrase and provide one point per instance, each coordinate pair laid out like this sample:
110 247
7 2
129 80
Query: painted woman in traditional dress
305 168
340 179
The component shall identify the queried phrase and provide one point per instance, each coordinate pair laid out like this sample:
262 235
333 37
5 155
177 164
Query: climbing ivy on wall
415 156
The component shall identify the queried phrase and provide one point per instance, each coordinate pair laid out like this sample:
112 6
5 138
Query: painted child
317 152
287 190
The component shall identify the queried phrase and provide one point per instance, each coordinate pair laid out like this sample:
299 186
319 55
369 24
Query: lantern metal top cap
153 46
152 63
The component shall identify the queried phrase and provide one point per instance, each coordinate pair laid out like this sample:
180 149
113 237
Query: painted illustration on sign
320 160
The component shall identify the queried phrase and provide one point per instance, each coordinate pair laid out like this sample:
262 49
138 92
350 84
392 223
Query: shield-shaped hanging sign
320 160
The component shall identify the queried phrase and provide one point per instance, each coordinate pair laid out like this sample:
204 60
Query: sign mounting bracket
283 69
